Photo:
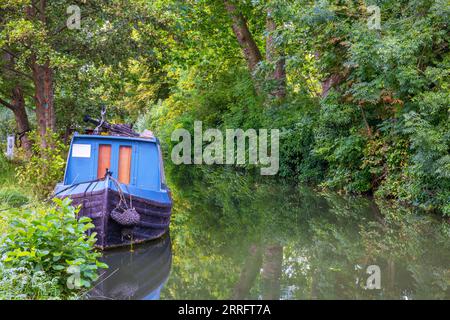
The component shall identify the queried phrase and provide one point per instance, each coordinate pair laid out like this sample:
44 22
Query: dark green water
235 238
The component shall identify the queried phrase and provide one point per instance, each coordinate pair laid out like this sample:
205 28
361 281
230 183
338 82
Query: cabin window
124 164
104 160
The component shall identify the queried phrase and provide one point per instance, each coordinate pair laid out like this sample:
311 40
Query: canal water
233 237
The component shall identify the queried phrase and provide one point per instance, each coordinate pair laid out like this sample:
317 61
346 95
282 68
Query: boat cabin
117 181
135 162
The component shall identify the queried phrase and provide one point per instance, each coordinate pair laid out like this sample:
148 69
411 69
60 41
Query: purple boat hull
153 223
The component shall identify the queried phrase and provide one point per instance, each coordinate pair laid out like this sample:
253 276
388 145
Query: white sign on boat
81 150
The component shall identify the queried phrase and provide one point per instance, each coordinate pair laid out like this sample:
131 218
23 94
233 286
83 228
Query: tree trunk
17 106
247 43
275 57
42 75
44 97
271 273
67 133
22 122
252 54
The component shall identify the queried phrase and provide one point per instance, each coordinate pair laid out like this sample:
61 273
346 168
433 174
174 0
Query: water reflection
135 274
237 237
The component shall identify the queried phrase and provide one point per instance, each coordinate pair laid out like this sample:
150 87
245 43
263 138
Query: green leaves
52 240
45 167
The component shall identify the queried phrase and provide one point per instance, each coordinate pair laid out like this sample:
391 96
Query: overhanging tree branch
6 104
17 72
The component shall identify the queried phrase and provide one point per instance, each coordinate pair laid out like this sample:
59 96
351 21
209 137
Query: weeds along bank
44 250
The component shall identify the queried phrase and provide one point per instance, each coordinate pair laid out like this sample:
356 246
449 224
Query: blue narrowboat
118 181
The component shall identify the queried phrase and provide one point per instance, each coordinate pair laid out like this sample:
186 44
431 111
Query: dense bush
49 244
45 167
384 128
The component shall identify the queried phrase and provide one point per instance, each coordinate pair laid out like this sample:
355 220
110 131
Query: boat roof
108 137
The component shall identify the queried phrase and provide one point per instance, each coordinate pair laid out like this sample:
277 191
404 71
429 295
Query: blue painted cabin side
146 172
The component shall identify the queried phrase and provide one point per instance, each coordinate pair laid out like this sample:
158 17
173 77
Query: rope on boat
123 214
89 231
61 191
76 185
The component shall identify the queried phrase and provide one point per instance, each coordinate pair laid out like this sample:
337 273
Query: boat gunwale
149 202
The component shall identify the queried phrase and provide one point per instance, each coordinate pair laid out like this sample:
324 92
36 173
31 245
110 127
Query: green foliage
22 283
6 168
381 128
45 167
12 197
50 243
384 127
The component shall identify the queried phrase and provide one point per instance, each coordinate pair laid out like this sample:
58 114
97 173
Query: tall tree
50 47
276 76
240 28
42 75
275 58
13 93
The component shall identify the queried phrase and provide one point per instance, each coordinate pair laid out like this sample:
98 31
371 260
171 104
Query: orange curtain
124 164
104 160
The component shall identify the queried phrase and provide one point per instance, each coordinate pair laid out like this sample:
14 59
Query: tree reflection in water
235 237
